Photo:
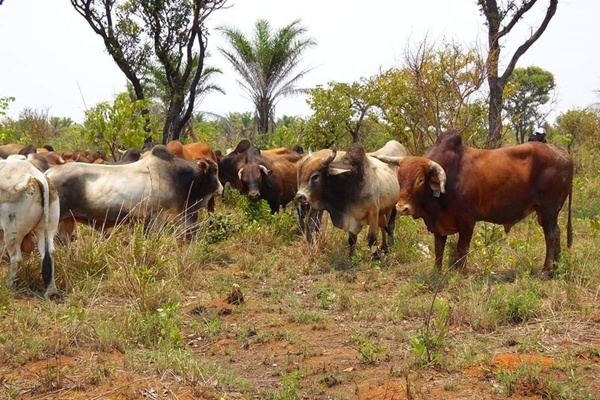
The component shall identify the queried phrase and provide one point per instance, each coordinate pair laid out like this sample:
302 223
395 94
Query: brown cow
454 185
84 156
231 163
191 151
273 178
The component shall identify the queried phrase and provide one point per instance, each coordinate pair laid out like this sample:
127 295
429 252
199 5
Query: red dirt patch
512 361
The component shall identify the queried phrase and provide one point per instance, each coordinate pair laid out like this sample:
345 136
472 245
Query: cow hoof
547 274
377 255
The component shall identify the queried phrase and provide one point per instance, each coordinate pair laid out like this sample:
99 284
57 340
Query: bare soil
325 358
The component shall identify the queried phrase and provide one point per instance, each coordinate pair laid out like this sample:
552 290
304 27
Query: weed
524 380
516 303
291 388
302 316
426 344
367 350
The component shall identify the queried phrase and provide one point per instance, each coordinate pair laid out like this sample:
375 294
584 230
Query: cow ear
203 165
337 171
437 179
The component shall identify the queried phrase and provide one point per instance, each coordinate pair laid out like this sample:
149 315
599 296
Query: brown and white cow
28 205
454 185
355 189
158 185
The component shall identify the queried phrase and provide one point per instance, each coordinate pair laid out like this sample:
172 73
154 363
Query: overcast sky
51 59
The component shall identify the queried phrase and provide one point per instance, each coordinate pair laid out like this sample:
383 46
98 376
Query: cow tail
47 267
569 223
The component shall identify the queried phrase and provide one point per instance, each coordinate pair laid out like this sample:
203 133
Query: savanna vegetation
247 309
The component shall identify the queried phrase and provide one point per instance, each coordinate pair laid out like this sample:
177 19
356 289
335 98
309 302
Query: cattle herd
44 193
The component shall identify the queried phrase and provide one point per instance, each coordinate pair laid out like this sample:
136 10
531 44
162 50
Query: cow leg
312 224
352 238
439 246
549 223
389 228
12 243
372 234
464 242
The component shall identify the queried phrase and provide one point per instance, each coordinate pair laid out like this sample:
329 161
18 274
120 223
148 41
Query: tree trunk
494 139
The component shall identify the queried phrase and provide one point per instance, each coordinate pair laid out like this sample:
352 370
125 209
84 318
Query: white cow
28 204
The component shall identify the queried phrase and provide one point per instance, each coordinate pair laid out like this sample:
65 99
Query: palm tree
266 64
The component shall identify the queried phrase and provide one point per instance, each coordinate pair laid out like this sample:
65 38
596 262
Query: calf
28 204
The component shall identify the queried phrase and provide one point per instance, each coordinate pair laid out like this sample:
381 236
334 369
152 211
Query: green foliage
4 104
116 126
291 388
526 92
220 227
161 48
579 127
367 350
516 303
427 343
340 114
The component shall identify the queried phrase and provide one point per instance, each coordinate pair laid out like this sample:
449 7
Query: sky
50 59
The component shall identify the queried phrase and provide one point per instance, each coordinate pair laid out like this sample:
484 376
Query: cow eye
314 177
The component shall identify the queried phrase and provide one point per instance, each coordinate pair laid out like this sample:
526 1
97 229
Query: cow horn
264 169
240 173
330 158
440 174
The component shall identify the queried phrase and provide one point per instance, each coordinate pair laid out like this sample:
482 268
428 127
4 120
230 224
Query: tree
266 64
438 88
526 91
112 127
577 127
168 34
340 112
500 20
157 88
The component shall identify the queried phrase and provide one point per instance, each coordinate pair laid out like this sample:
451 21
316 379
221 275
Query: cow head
421 180
251 177
211 170
315 174
232 162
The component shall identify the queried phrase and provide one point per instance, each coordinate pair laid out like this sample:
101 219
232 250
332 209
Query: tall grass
156 299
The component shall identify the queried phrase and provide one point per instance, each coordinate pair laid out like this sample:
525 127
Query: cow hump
161 152
355 156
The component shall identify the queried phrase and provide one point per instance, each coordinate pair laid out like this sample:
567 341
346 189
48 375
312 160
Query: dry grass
145 314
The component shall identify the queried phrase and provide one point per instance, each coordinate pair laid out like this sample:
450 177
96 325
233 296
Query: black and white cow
355 188
28 205
156 186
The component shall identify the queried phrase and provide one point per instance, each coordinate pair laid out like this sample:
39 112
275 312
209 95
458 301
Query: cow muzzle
404 209
254 194
301 198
